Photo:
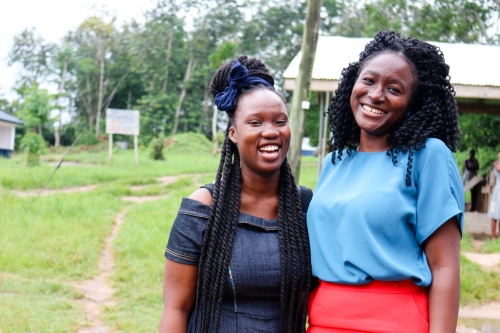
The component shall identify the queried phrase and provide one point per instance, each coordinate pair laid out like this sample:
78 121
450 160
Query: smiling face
381 95
261 132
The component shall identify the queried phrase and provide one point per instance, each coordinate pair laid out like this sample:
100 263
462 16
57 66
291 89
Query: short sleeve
186 236
440 193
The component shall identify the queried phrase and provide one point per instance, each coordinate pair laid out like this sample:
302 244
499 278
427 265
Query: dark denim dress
252 292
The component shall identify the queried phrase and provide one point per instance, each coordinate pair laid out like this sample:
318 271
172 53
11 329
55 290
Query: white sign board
122 121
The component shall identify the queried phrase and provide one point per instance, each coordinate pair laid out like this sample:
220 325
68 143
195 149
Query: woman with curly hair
386 218
238 257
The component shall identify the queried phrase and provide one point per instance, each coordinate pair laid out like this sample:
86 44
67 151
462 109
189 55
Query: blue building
8 125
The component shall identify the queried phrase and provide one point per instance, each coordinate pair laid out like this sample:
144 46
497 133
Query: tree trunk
101 87
187 76
214 131
167 60
300 91
204 110
57 133
129 98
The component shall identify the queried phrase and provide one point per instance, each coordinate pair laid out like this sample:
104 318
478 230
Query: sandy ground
488 261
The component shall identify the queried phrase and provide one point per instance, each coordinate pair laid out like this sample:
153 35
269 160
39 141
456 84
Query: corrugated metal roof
10 118
470 64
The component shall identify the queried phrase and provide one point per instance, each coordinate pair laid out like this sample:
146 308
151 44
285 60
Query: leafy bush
156 148
34 145
87 138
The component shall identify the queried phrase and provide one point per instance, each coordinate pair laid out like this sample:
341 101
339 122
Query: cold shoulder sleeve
440 193
186 236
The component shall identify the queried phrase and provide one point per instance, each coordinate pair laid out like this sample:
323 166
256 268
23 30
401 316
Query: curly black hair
221 228
434 112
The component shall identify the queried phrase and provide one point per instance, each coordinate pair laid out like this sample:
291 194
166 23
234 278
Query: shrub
34 145
87 138
156 148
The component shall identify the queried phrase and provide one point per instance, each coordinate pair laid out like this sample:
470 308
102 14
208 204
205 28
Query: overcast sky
52 19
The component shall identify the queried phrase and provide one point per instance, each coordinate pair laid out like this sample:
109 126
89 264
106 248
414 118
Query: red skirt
376 307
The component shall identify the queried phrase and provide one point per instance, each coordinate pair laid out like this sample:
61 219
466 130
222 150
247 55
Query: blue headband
238 78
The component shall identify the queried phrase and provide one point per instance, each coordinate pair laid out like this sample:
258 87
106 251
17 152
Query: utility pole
300 91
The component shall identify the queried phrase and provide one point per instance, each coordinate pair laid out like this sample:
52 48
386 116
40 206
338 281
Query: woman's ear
232 135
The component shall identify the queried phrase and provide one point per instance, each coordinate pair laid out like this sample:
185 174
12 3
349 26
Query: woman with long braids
238 256
387 213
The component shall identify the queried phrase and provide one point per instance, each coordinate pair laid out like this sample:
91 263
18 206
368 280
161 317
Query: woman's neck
371 143
259 195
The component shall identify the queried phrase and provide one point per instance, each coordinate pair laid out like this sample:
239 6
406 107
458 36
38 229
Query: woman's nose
376 94
270 131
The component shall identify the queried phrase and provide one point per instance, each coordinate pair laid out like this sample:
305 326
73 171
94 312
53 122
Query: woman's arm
443 255
179 292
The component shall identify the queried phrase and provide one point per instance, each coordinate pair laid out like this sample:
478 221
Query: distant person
238 256
387 213
494 209
469 170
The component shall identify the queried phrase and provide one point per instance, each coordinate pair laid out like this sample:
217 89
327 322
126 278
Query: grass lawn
44 249
138 276
14 175
477 286
58 242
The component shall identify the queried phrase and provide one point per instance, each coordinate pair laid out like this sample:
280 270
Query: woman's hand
443 255
179 292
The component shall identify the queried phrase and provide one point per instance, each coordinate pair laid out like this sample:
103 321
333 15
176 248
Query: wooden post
135 150
301 89
214 131
110 147
325 126
319 151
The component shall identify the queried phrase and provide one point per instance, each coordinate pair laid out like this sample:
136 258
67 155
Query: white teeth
268 148
369 109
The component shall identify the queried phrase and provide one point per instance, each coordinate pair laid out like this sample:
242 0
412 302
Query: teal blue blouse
366 224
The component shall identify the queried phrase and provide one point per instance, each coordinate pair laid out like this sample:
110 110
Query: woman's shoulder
202 195
194 207
436 144
436 156
434 148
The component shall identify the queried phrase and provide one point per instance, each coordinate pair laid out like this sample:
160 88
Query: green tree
36 107
34 54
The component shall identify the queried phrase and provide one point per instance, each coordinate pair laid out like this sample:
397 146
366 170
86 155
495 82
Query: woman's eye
254 122
393 89
282 122
368 80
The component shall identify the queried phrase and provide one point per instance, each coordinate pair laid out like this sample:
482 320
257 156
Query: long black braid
433 111
221 228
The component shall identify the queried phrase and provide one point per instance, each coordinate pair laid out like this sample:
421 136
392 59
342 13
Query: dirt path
97 292
163 181
487 311
32 193
488 261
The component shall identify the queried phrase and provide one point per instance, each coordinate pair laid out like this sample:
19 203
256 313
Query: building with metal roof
474 70
8 125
